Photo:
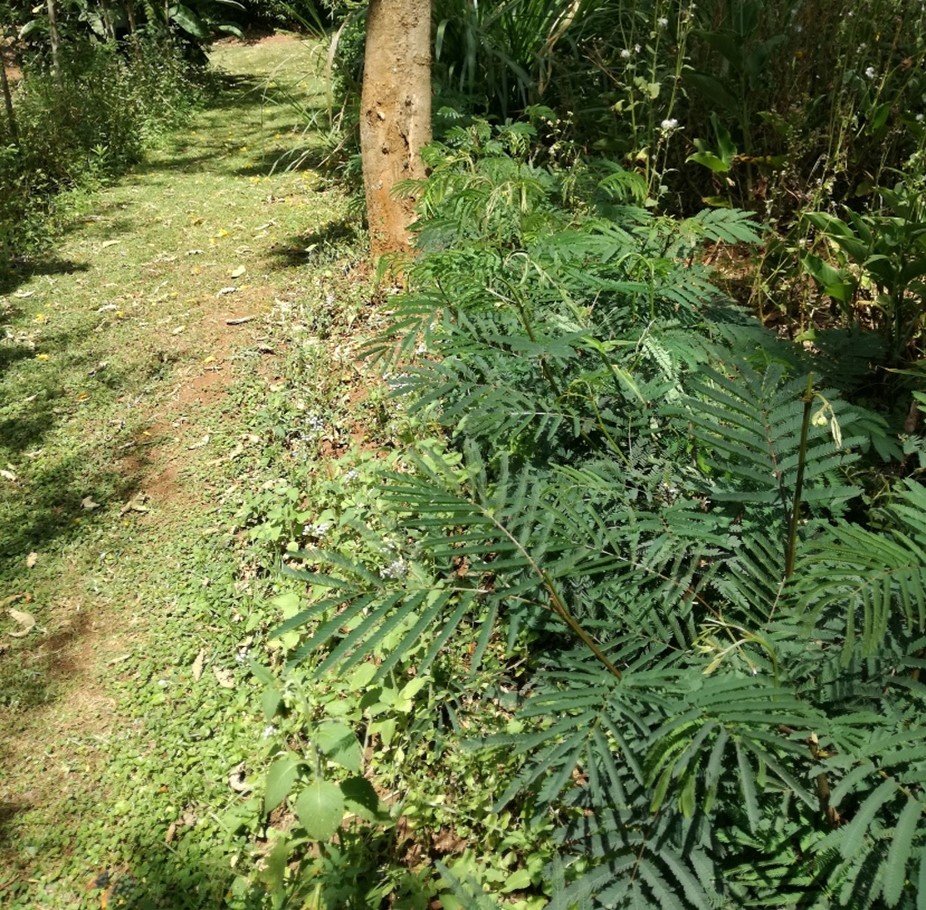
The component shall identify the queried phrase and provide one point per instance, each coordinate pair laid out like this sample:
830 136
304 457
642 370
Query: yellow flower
41 356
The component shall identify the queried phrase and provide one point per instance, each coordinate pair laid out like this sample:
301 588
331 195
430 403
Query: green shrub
650 531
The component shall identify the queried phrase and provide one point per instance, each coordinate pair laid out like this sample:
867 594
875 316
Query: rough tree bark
395 120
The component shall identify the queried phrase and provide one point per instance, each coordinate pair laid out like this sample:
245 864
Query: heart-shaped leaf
320 808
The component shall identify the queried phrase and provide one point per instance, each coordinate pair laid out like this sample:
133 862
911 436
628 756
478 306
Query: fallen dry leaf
237 780
8 475
178 330
26 620
225 678
198 664
228 290
238 272
88 504
198 445
241 320
107 243
32 559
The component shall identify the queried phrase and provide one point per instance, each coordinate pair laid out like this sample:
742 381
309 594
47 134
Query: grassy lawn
134 374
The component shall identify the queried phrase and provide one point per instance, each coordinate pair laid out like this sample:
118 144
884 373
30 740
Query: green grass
129 433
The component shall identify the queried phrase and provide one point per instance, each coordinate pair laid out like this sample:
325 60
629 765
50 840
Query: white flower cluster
398 568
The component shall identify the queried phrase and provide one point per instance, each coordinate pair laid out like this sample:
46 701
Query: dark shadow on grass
20 272
328 242
49 508
298 159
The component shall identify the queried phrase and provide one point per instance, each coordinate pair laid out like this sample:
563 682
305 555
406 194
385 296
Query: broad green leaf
361 798
836 283
189 21
320 808
275 871
710 161
270 701
517 881
288 604
262 674
361 677
280 779
339 743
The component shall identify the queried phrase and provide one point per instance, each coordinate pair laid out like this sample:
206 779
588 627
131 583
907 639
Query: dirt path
124 404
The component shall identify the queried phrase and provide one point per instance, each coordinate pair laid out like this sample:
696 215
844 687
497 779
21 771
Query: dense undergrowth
68 136
656 571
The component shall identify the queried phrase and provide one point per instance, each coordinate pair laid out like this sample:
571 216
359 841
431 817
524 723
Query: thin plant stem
807 398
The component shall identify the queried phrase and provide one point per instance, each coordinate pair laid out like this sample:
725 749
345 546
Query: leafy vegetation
649 521
588 567
74 134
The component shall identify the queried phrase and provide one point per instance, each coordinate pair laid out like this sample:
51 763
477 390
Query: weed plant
637 541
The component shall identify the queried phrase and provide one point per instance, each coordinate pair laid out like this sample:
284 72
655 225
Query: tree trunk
55 42
108 25
7 96
395 118
133 29
130 16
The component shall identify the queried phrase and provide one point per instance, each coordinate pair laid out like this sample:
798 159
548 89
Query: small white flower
637 48
350 475
669 125
242 655
163 683
398 568
870 72
919 118
317 530
269 730
662 22
625 54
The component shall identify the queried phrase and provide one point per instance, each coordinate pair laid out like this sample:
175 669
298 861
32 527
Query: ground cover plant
130 434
